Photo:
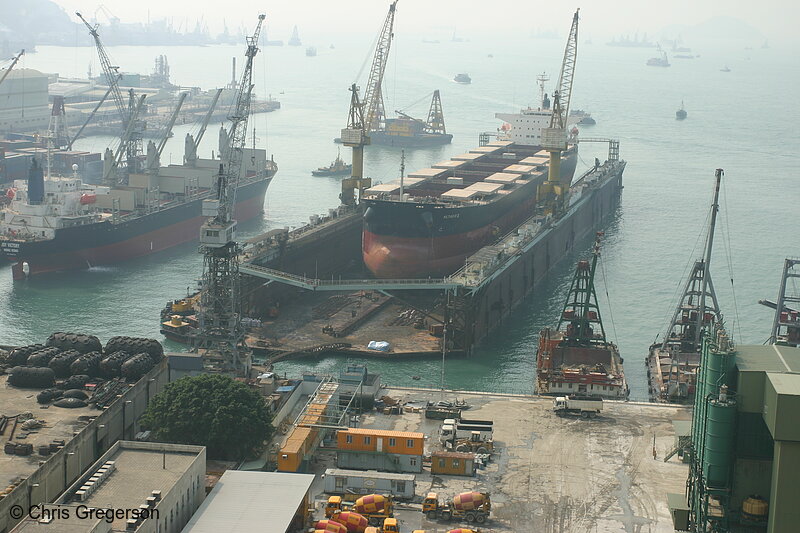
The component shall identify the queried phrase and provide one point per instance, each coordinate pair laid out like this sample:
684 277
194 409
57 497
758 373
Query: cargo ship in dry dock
576 358
428 223
60 223
672 364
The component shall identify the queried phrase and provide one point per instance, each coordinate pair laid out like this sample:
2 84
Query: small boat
726 69
462 78
681 113
585 119
337 168
658 61
311 51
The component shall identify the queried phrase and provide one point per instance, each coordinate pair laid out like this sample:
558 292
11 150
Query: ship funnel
35 184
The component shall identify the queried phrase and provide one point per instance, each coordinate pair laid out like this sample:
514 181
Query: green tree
226 416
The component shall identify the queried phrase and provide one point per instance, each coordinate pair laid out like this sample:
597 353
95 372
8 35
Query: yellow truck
376 508
468 506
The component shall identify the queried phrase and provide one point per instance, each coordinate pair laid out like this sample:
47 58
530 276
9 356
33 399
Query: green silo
718 441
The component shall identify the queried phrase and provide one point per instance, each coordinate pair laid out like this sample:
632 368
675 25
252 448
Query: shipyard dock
611 478
312 293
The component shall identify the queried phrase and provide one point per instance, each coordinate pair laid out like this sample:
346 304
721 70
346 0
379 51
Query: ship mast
698 288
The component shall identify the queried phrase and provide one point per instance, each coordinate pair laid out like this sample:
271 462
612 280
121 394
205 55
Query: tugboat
672 364
337 168
681 113
311 51
462 78
576 358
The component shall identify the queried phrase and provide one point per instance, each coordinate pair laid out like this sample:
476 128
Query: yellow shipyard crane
554 137
365 114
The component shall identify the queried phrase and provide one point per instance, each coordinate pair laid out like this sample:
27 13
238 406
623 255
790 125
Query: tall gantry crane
365 114
132 146
554 138
220 326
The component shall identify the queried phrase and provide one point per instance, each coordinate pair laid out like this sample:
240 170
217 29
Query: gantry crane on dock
220 327
131 141
365 115
554 138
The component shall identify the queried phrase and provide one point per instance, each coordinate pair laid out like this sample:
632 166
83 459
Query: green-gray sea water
742 121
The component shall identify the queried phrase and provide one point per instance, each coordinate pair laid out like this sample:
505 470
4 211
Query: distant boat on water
311 51
659 61
726 69
462 78
294 40
681 113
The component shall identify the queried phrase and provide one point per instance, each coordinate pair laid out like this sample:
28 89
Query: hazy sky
776 19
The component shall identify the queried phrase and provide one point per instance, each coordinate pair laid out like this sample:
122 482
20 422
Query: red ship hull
158 239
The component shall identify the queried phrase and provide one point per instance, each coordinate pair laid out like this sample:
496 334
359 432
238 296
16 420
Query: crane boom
372 95
111 71
365 114
554 137
207 119
89 118
563 91
124 141
171 123
11 66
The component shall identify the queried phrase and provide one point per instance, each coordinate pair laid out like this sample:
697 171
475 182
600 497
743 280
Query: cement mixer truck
469 506
374 507
389 526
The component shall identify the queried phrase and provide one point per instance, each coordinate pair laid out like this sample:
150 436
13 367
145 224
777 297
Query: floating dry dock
324 258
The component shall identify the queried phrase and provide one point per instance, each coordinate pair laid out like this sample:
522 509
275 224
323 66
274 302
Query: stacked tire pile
76 359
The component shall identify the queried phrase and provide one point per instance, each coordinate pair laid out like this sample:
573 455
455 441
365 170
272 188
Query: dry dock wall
478 314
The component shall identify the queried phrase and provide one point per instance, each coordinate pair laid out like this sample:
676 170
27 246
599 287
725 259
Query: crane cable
681 280
608 298
726 245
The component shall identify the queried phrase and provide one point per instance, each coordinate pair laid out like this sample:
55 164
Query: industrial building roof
242 502
369 474
384 433
769 358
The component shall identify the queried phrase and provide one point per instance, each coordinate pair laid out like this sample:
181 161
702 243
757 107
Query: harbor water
741 121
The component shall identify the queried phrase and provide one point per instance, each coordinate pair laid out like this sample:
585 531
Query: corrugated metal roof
769 358
369 474
384 433
453 455
242 502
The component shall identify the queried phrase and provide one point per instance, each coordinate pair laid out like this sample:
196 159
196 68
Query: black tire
447 515
432 515
480 518
470 517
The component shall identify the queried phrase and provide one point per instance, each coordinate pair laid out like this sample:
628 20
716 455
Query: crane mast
131 141
373 95
554 138
220 327
365 114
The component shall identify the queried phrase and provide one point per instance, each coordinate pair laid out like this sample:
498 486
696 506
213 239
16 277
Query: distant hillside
34 22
